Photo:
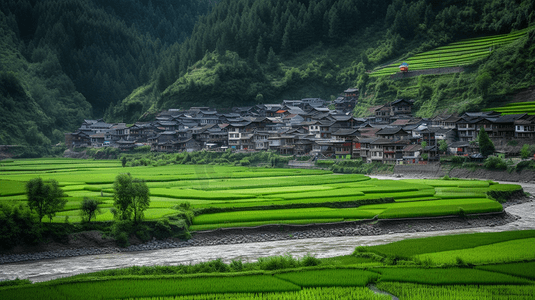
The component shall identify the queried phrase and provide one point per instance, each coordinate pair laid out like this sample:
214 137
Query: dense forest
246 52
66 60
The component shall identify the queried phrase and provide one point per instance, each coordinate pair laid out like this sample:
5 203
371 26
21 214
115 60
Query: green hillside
74 59
239 61
65 61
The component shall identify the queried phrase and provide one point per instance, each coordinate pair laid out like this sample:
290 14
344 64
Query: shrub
324 163
495 163
525 152
512 143
277 262
15 282
162 229
529 164
236 265
122 239
309 261
458 159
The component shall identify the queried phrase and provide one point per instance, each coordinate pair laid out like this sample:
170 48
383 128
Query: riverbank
92 243
48 269
439 170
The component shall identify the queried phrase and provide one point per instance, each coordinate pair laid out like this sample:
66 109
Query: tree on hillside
131 198
486 147
89 209
525 152
443 146
45 197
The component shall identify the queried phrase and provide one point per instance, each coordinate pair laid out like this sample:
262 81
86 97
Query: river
44 270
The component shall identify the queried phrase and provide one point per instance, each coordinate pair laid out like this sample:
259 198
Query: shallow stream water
319 247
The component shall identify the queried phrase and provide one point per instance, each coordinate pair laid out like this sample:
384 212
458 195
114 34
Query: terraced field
515 108
229 196
396 268
461 53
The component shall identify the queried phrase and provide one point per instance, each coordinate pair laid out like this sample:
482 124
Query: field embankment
438 171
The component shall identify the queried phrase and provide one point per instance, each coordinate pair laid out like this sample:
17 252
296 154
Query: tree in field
131 198
486 147
89 209
140 199
45 197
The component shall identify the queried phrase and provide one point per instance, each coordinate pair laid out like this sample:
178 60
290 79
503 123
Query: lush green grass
447 276
339 293
522 269
449 183
454 292
260 223
275 191
461 53
435 208
150 287
515 250
516 108
338 277
334 278
10 188
411 247
284 214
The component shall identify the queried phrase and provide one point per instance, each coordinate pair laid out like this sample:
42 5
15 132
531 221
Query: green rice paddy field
515 108
242 196
477 277
461 53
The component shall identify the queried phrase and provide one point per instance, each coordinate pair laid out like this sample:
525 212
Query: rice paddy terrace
471 266
457 54
515 108
229 196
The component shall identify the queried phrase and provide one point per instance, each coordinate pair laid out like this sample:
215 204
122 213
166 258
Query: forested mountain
245 52
65 60
75 58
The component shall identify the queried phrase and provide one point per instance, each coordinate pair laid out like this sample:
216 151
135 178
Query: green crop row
278 202
447 276
523 269
454 292
336 277
509 251
194 194
409 248
440 210
260 223
285 214
460 53
320 194
11 188
132 287
449 183
327 293
449 195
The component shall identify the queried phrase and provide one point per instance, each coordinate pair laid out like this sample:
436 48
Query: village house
308 127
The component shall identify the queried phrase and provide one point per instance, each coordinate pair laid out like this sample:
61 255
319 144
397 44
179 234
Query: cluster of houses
312 127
